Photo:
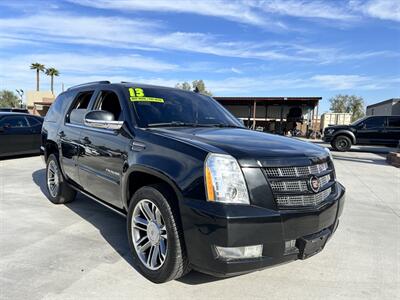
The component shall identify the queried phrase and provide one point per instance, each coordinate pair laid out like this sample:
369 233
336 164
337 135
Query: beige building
389 107
38 102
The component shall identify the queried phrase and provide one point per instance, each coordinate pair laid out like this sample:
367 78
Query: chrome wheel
149 234
53 180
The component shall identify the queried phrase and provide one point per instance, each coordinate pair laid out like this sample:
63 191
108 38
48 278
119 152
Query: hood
250 148
336 127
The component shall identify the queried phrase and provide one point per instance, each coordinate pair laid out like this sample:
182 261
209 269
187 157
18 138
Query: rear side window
14 122
79 108
375 122
34 121
394 122
57 109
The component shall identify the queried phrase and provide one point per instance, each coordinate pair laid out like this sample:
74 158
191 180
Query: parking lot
80 250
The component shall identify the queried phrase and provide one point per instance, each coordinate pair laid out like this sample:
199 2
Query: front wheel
155 235
341 143
59 190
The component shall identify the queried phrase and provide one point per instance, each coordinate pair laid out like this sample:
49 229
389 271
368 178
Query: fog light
290 246
231 253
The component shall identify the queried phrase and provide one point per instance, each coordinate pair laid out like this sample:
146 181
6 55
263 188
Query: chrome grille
296 171
303 200
291 186
296 185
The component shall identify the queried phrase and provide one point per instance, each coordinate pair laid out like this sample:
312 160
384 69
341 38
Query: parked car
372 130
13 109
199 190
19 133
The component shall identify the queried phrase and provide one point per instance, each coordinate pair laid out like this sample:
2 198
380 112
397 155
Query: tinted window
158 105
79 107
83 99
394 122
374 122
108 101
14 122
34 121
56 110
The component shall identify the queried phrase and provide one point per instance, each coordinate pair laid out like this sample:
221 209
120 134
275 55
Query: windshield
358 121
159 107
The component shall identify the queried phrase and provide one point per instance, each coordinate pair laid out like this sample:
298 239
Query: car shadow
381 162
9 157
112 227
357 148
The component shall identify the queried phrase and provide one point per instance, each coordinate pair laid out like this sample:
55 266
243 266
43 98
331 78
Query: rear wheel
59 190
341 143
155 236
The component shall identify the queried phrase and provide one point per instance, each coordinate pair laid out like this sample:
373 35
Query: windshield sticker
137 94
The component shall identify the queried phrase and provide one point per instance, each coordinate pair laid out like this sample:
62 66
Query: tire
58 189
341 143
156 234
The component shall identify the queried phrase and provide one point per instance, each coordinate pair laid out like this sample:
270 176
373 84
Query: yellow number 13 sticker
136 92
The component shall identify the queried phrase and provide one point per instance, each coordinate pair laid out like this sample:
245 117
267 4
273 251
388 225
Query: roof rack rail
89 83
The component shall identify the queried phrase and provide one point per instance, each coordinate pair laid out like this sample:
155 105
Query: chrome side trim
107 131
113 125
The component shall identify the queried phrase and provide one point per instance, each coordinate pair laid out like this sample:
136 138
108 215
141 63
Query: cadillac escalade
198 189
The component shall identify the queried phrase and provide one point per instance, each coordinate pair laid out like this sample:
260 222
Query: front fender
150 171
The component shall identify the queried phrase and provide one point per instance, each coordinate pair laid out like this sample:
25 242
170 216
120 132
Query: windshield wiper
226 125
175 124
186 124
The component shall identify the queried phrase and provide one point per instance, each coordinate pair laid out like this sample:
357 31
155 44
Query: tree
39 68
184 86
52 72
8 99
348 104
197 85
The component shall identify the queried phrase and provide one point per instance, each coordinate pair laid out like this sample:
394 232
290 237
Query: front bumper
209 224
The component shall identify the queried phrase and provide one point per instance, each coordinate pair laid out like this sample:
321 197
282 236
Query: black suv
198 189
373 130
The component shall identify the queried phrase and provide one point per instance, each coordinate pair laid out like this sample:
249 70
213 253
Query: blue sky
239 48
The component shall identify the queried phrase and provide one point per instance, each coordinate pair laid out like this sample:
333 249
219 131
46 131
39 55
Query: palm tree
39 68
52 72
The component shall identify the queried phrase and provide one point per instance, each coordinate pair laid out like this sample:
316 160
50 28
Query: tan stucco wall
35 96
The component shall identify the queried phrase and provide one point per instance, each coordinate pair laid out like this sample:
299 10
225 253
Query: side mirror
102 119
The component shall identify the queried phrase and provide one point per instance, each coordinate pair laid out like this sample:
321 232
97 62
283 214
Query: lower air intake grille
303 200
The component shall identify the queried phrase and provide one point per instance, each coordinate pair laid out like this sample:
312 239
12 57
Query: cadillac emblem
315 184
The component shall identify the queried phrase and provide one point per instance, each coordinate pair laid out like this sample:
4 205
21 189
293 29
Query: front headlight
224 180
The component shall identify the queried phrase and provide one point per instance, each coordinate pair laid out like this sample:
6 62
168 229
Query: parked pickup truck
372 130
199 191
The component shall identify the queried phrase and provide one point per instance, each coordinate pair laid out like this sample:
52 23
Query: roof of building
250 98
384 102
271 100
